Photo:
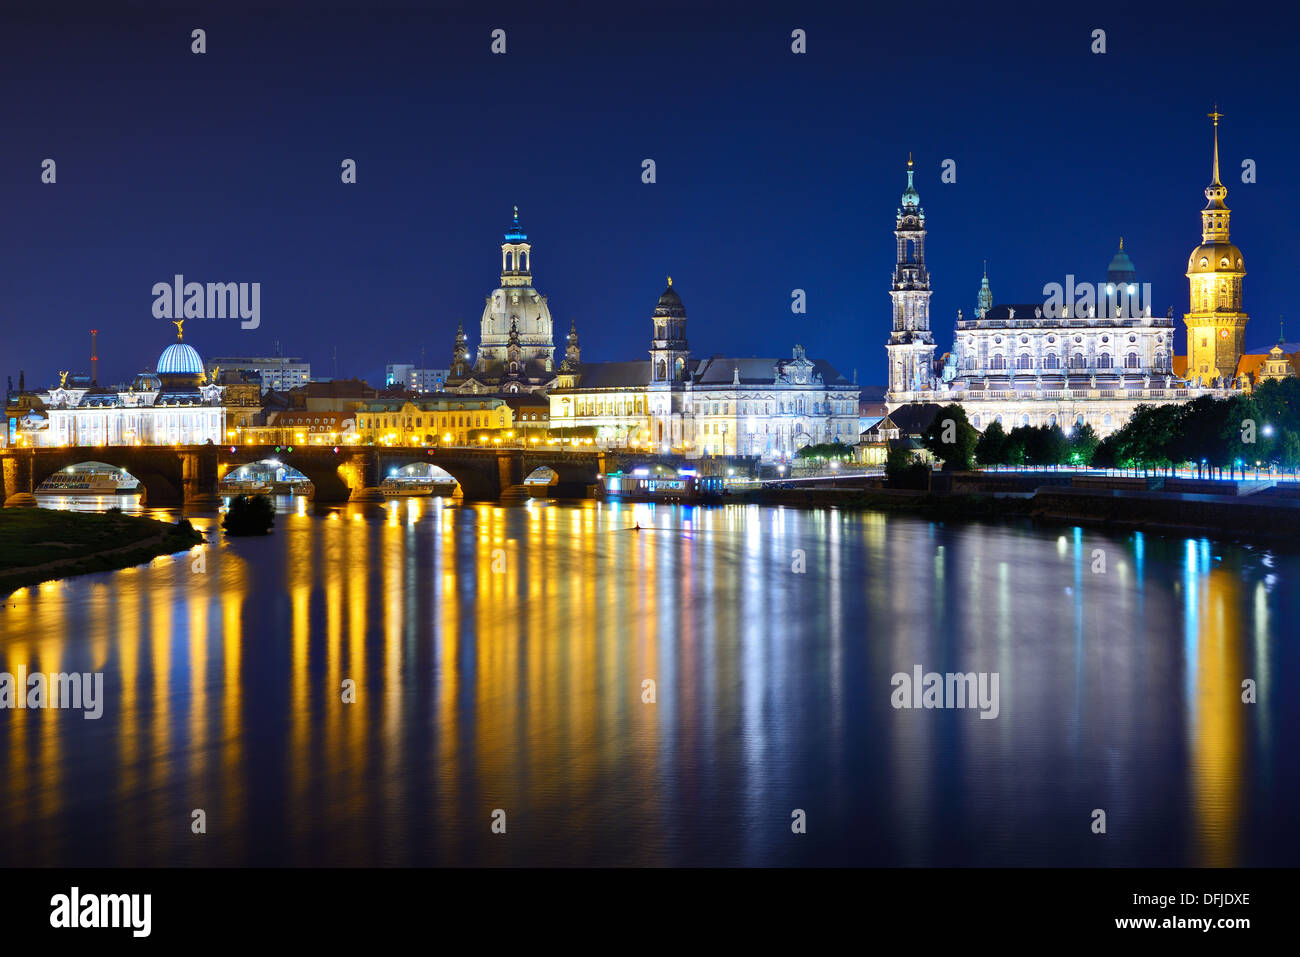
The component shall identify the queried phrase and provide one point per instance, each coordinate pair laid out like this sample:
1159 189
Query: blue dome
180 359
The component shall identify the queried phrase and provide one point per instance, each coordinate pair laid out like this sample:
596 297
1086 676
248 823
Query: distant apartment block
408 375
276 372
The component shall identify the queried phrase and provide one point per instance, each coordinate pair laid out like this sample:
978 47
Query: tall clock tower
910 346
1216 324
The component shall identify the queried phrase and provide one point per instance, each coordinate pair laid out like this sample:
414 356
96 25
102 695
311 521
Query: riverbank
1245 518
38 545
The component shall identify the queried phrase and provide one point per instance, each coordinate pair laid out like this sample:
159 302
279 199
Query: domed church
516 351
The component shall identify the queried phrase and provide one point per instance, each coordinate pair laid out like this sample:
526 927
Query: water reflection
369 684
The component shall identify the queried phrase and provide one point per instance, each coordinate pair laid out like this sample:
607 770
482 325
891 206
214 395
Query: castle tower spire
1216 323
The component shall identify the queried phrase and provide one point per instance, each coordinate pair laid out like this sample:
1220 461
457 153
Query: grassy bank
38 544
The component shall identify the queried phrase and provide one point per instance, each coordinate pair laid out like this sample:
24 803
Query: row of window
794 407
417 422
1008 422
1077 361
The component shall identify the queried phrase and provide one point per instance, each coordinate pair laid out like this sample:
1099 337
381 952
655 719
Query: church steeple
984 301
911 345
459 352
1216 322
572 352
516 256
1214 218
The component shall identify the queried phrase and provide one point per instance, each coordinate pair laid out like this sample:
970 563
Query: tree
1288 451
991 449
1083 444
951 438
249 515
1018 443
903 470
1105 456
825 450
1046 445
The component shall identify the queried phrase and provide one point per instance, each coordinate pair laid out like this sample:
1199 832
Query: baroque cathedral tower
1216 325
910 346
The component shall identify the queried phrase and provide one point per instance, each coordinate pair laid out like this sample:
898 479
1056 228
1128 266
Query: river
500 660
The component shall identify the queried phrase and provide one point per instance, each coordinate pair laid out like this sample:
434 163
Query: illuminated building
1216 325
1091 358
175 404
515 352
447 420
911 345
751 406
275 372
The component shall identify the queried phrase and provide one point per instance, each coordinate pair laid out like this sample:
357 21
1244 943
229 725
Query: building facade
1092 355
276 372
750 406
447 420
410 376
176 404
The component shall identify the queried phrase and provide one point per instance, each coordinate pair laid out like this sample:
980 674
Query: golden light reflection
1216 735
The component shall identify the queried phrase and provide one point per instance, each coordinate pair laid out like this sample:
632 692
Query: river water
500 656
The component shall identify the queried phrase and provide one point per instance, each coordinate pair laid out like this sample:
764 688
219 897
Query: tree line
1231 435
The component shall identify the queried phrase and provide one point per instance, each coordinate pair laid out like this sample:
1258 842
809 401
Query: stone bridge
189 475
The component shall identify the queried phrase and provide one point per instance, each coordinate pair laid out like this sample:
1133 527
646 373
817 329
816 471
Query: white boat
246 487
90 478
400 488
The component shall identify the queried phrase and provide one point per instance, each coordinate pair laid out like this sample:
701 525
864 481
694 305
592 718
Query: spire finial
670 281
986 269
180 333
1216 116
1121 244
909 159
516 215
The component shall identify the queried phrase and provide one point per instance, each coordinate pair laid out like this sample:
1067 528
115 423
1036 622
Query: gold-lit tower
1216 325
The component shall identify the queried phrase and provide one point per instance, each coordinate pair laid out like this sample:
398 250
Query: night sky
775 171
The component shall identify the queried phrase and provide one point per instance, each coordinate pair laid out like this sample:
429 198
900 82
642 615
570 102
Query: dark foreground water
499 656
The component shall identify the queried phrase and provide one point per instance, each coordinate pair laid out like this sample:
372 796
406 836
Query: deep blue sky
775 171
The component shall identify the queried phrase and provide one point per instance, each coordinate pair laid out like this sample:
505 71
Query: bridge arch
168 475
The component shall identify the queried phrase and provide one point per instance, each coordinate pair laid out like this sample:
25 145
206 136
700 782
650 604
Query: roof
526 400
670 304
1023 310
1253 363
914 417
720 370
612 375
179 358
338 388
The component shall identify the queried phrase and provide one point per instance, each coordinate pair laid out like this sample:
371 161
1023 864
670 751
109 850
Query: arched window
1024 419
975 421
661 371
1051 361
1077 361
998 362
1131 361
1025 361
1104 361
